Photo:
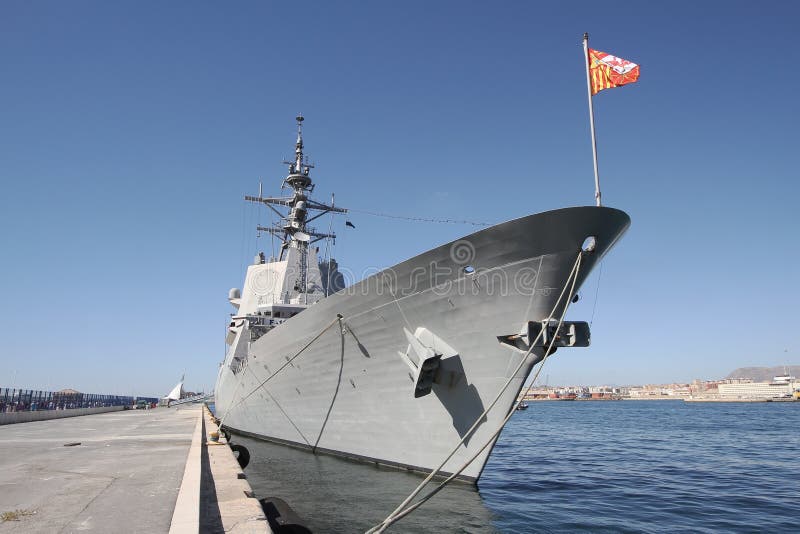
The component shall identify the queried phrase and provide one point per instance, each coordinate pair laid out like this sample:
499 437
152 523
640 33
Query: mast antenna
292 228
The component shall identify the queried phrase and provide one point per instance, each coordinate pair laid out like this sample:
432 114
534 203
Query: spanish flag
608 71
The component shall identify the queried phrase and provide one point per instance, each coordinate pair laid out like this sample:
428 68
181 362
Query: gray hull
351 391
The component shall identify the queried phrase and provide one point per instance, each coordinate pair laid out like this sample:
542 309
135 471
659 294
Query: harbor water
580 466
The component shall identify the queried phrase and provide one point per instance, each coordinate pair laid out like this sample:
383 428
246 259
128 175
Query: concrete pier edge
216 495
186 516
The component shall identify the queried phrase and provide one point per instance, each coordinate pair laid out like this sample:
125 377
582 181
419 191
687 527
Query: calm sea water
626 466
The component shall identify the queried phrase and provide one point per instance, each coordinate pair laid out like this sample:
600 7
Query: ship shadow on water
333 494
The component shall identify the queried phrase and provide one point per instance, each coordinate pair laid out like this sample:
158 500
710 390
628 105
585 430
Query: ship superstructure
296 236
397 368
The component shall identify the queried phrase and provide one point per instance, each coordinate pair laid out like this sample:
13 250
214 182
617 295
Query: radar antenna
292 228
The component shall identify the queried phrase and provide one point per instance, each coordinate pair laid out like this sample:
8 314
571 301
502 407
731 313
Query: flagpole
591 119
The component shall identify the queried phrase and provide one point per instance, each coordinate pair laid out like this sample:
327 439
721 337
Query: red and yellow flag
608 71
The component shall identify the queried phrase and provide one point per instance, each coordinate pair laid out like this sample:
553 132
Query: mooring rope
281 368
596 293
401 511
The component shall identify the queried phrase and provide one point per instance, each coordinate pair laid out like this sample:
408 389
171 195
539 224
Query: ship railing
200 397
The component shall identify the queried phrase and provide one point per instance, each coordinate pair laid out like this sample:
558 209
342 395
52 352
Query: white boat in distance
396 368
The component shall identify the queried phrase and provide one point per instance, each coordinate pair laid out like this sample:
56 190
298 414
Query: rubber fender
244 455
282 518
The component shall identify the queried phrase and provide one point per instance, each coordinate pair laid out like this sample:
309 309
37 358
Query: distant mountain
764 374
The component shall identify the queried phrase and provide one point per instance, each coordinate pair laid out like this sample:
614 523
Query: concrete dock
132 471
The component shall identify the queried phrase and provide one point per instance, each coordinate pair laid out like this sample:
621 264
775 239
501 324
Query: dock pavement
133 471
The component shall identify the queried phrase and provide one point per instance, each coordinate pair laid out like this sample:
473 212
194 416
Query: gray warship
397 368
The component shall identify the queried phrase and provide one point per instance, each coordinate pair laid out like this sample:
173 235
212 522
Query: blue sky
130 131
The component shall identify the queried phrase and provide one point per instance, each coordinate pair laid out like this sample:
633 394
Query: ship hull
334 378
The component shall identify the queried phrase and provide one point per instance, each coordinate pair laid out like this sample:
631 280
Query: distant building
660 391
781 386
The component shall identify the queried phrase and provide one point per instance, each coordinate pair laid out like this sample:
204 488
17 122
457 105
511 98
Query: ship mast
292 228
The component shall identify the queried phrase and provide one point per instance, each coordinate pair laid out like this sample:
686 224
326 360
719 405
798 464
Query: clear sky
130 131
